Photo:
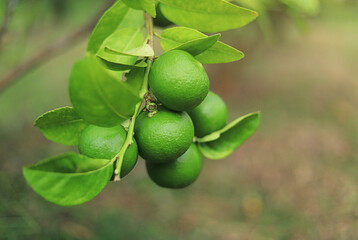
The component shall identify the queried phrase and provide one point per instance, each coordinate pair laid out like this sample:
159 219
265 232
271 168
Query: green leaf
117 17
69 179
123 67
146 5
206 15
62 125
135 78
231 137
198 46
219 53
143 51
121 40
98 97
208 138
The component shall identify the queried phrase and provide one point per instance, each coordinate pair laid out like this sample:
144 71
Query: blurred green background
296 178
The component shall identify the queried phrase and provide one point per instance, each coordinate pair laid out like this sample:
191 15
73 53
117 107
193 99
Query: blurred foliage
295 179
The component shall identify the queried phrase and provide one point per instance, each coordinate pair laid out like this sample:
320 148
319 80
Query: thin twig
143 91
47 53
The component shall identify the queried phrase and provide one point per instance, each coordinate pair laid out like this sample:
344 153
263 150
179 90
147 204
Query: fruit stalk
143 91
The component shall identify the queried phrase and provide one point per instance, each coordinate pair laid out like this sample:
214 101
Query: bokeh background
296 178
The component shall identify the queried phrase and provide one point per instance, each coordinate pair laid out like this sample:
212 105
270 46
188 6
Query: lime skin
211 115
178 80
163 137
105 143
179 173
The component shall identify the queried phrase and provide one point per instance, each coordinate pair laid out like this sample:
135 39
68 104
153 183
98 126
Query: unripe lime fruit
178 80
105 143
209 116
178 173
163 137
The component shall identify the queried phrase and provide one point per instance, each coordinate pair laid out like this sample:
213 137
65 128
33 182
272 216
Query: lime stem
129 139
143 91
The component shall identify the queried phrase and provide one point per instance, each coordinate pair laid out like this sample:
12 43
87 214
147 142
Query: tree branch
47 53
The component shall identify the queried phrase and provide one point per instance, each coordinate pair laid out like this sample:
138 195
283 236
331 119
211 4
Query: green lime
178 80
178 173
105 143
165 136
160 20
209 116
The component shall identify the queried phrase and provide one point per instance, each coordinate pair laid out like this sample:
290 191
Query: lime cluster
164 135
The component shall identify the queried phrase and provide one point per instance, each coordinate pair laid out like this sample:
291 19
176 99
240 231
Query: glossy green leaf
98 97
219 53
69 179
62 125
198 46
123 67
117 17
231 137
206 15
122 40
146 5
208 138
143 51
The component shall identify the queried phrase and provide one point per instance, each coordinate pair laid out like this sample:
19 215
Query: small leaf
198 46
219 53
143 51
206 15
98 97
123 67
62 125
231 137
146 5
69 179
121 40
117 17
208 138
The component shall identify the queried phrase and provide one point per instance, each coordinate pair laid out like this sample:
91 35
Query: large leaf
69 179
98 97
230 137
62 125
146 5
206 15
117 17
219 53
122 40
